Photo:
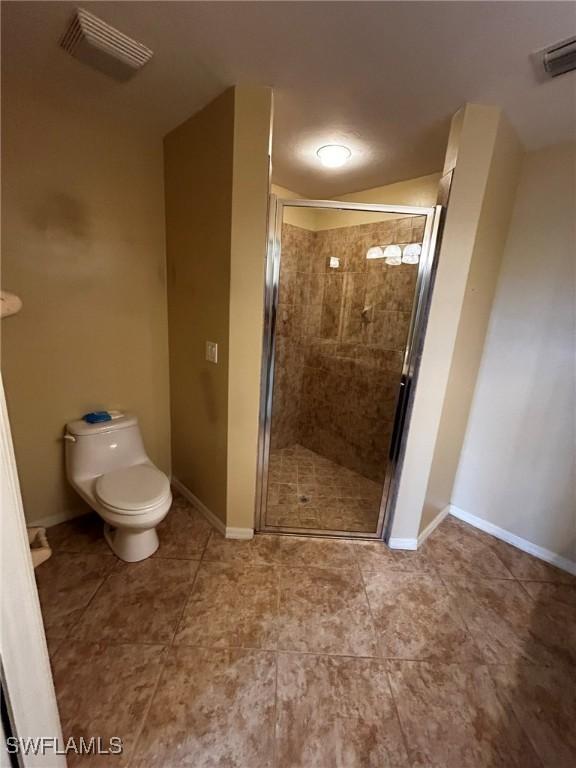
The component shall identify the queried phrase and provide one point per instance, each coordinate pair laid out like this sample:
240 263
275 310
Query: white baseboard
412 544
516 541
403 543
239 533
423 535
59 517
227 531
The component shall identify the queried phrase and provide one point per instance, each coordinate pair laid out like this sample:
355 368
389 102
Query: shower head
103 47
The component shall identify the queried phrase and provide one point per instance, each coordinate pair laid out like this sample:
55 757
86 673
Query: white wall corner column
484 153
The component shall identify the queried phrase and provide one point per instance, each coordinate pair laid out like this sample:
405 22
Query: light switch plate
211 351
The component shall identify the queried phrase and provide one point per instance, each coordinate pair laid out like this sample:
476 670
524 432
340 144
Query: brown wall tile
341 335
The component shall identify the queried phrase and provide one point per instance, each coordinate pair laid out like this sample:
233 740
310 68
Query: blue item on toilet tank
96 416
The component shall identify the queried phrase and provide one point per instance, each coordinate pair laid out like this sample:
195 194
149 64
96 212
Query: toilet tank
94 449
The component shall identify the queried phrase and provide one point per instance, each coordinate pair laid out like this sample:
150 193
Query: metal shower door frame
406 390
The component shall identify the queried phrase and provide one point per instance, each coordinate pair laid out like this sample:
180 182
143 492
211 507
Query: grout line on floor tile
376 657
115 643
188 598
209 539
71 632
268 649
277 640
283 565
148 707
397 712
210 532
276 637
545 581
490 545
275 716
374 631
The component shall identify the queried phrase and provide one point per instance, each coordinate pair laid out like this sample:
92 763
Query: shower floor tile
306 490
302 652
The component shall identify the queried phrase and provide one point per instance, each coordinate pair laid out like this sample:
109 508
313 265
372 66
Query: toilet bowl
107 464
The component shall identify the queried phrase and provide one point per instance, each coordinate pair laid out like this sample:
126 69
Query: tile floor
287 652
306 490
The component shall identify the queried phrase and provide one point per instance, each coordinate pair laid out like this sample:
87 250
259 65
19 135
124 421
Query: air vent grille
94 42
557 59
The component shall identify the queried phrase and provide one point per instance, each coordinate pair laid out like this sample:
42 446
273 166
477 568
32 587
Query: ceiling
381 77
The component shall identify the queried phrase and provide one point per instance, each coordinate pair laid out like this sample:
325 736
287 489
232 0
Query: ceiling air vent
556 59
96 43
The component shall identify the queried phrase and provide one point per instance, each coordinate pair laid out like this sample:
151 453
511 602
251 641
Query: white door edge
27 675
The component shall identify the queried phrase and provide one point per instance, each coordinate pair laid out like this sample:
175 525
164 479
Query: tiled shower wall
292 321
340 339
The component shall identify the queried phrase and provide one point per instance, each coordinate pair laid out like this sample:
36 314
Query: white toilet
107 465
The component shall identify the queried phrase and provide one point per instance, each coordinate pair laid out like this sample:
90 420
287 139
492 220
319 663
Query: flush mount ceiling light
411 253
393 255
333 155
375 252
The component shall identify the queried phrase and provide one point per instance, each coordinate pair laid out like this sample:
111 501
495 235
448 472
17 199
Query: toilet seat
132 490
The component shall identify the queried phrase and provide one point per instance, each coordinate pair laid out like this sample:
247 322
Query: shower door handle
399 418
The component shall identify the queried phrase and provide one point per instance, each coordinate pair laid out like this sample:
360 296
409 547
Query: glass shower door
346 287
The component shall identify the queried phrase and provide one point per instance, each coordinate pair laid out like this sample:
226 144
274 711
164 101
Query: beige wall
83 246
216 177
481 135
490 239
250 194
198 158
299 217
422 191
517 465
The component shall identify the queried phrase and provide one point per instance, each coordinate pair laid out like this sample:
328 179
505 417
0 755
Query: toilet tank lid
81 427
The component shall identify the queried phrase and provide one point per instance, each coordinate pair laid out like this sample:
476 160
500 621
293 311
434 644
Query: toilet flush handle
69 437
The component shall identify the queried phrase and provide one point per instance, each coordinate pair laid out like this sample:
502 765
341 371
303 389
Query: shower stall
346 296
